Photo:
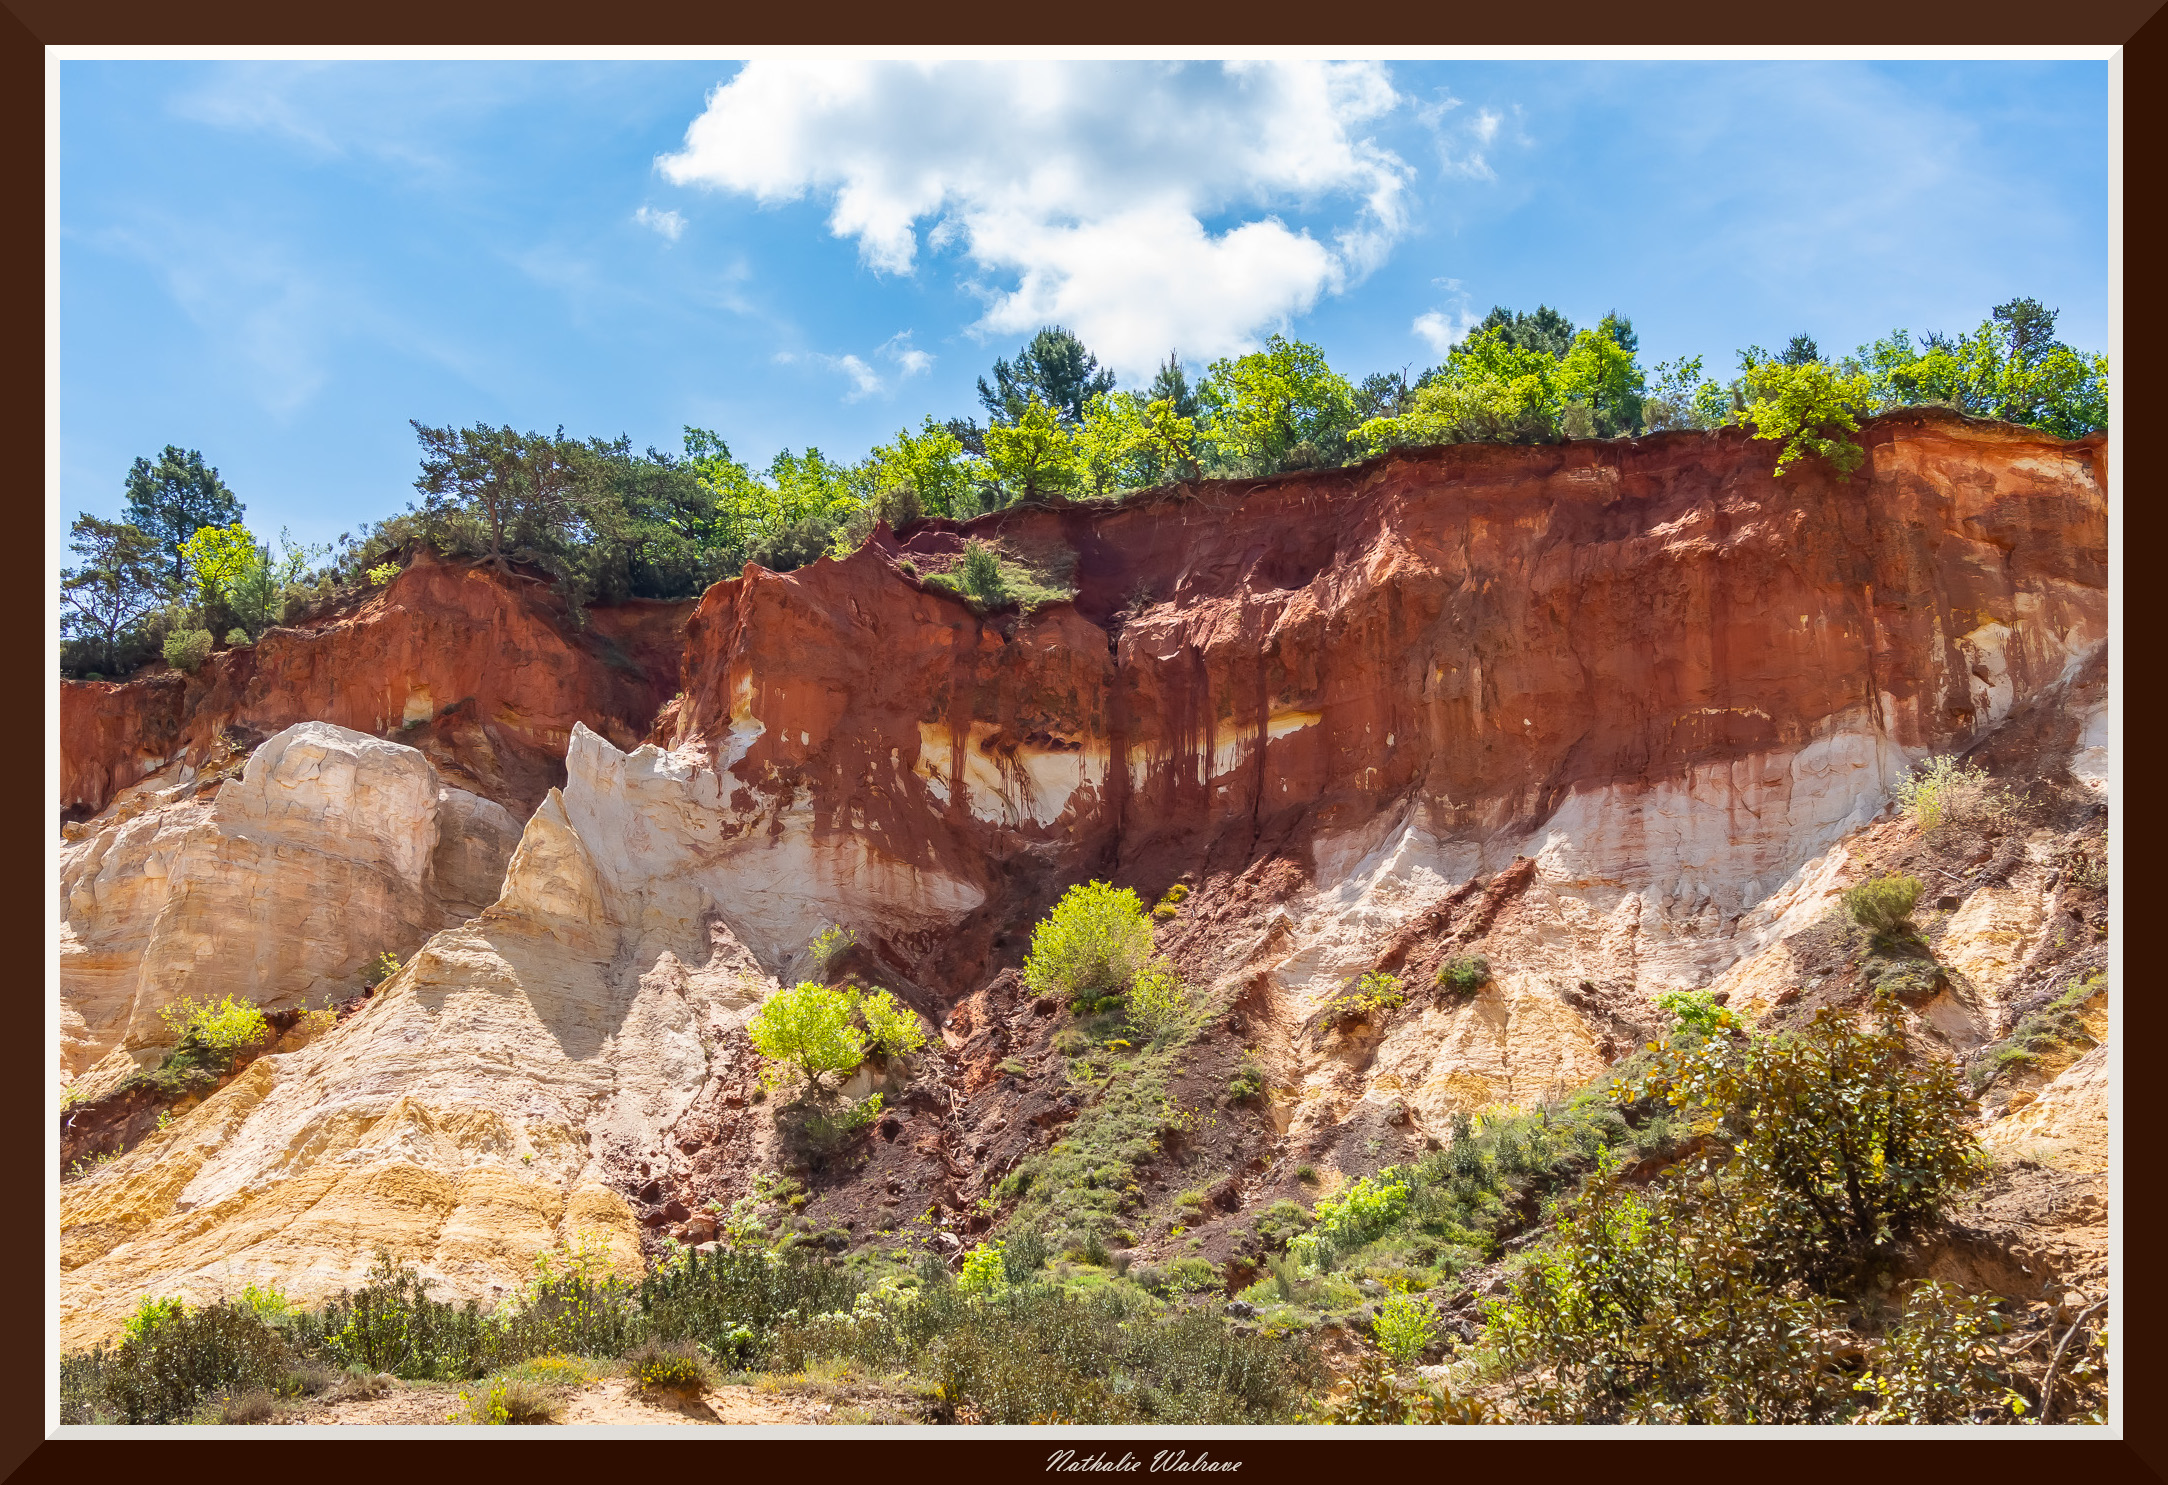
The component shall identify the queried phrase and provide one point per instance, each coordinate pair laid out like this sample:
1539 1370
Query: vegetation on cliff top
608 523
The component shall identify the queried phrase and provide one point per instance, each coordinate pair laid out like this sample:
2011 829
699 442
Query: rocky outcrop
279 886
1618 716
1671 680
488 1102
485 672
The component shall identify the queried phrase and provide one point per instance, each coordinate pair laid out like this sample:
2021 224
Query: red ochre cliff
1623 716
484 671
1467 640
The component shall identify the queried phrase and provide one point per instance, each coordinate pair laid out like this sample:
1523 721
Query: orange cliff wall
488 666
1475 635
1479 639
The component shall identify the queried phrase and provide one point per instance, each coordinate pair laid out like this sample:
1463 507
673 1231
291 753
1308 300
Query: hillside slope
1622 717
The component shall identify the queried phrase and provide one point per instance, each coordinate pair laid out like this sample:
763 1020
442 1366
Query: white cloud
1439 332
908 358
865 380
1080 193
1465 150
668 223
1442 329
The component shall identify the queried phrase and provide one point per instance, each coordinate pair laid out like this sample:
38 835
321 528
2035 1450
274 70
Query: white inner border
1077 1437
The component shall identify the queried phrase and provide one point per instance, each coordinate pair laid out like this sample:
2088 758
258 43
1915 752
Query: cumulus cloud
1140 204
1438 331
668 223
866 380
1442 329
910 360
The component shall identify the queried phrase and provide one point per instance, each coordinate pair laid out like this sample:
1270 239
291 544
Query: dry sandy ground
607 1400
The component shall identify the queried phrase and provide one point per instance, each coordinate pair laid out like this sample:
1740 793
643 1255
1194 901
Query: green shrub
187 649
224 1029
1091 946
1248 1081
1843 1147
1362 999
983 1271
247 1408
1377 1396
1884 905
171 1360
807 1027
308 1378
1941 790
1358 1214
1625 1319
830 943
989 579
2056 1028
1937 1364
1464 974
980 573
823 1127
1022 1256
1194 1275
237 637
383 573
667 1366
504 1400
891 1029
1158 1001
1693 1010
732 1299
1404 1326
571 1303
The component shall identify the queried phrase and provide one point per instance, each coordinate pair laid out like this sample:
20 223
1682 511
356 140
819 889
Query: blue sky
279 263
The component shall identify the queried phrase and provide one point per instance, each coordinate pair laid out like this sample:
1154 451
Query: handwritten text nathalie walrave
1068 1461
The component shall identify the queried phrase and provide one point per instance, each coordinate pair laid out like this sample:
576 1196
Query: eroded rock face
1620 717
1669 678
485 672
487 1103
280 886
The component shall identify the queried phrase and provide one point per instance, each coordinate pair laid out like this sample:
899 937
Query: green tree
498 493
1033 455
2010 368
1489 390
1384 394
931 464
808 1027
1843 1145
1710 1296
1810 407
1281 406
173 499
1054 368
1679 396
1110 442
782 517
647 522
1171 384
1091 946
1546 330
231 568
120 581
892 1029
1599 373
